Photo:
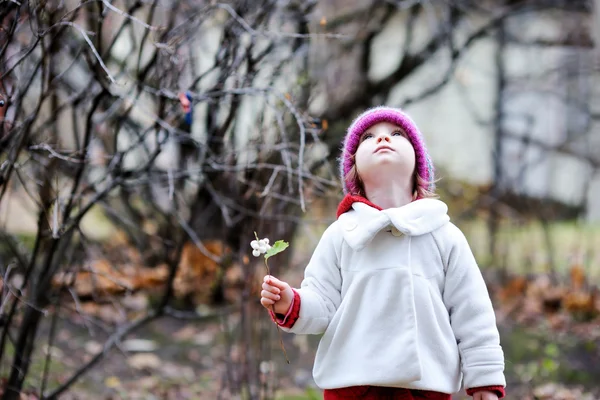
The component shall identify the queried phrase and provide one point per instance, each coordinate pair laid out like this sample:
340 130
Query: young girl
393 285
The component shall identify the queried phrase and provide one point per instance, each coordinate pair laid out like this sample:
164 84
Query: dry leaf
146 278
198 273
186 333
136 302
582 304
144 361
93 347
514 289
139 345
112 382
577 277
203 338
170 370
147 382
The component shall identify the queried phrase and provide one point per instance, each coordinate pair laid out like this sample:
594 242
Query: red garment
499 390
370 392
288 320
382 393
388 393
346 204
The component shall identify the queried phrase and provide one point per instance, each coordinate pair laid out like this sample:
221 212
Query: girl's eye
397 133
367 136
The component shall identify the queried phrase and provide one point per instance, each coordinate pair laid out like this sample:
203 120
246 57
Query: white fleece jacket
400 302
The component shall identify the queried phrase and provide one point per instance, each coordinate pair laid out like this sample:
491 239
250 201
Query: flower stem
278 328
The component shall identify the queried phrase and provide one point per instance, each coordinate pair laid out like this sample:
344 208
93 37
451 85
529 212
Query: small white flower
266 243
260 246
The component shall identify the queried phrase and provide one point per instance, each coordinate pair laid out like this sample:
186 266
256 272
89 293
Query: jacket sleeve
320 290
472 315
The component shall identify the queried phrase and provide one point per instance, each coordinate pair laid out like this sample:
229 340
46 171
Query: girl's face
384 149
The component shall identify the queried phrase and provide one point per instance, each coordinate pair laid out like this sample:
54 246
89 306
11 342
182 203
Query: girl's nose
383 137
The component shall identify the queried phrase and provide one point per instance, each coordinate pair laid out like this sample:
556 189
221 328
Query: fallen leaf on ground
139 345
186 333
112 382
174 371
144 361
93 347
203 338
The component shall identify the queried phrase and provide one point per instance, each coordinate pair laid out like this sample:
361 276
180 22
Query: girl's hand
276 295
485 395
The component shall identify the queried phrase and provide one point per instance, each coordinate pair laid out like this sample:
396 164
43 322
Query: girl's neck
391 195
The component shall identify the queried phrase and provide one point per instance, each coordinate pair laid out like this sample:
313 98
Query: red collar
346 204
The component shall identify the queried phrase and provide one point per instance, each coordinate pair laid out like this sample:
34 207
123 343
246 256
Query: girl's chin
387 165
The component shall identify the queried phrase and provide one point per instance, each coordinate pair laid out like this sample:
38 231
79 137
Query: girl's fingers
281 285
265 294
266 302
270 288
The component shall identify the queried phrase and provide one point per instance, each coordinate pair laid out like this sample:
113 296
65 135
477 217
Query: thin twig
92 47
54 153
270 34
196 240
129 16
277 325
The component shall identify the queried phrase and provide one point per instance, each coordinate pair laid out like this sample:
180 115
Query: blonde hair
420 185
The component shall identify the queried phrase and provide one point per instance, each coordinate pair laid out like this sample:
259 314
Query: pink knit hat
395 116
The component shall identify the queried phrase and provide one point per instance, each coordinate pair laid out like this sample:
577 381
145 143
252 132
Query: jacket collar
361 220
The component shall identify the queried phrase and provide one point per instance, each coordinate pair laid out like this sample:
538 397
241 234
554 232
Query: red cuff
499 390
289 319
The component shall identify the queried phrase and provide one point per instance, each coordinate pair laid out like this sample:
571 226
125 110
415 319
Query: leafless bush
96 117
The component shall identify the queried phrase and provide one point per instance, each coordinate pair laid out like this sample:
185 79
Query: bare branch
91 45
271 34
129 16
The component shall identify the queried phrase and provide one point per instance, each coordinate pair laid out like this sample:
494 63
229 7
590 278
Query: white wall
457 122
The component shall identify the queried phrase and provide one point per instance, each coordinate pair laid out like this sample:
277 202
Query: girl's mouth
380 148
